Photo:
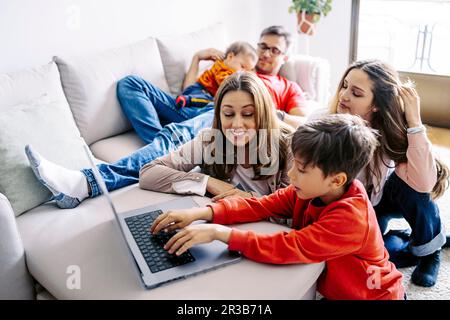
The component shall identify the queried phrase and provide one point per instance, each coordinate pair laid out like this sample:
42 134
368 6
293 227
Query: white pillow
27 85
177 52
311 73
48 125
90 85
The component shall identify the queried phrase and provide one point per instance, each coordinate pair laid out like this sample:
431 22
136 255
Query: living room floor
440 138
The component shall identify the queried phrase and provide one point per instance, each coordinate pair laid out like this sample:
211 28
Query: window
411 35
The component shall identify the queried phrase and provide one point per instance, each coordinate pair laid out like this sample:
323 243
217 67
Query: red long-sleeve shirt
344 233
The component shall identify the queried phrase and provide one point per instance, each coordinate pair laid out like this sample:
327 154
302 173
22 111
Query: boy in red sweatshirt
333 219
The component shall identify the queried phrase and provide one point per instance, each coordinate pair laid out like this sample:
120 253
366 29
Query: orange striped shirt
213 77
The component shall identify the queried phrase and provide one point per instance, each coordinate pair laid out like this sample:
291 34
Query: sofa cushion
117 147
15 281
312 74
89 83
24 86
177 52
48 126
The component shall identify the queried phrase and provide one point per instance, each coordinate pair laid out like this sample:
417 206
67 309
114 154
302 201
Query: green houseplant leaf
313 7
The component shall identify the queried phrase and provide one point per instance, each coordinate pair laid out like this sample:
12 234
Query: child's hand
233 193
177 219
411 101
196 234
210 54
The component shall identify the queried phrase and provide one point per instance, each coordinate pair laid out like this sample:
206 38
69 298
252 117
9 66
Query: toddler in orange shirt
238 56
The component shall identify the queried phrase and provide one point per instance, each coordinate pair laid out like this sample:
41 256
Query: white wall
332 39
33 31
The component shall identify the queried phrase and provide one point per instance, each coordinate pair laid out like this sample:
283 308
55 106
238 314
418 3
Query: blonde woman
245 153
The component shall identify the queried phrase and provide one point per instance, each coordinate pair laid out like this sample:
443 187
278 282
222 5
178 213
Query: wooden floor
439 136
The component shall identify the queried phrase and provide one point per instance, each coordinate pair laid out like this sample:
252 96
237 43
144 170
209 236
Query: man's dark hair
277 31
335 143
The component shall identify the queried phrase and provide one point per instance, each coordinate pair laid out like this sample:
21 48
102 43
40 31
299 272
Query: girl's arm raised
420 170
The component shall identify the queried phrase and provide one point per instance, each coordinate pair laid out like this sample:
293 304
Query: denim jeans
158 122
197 96
399 200
149 108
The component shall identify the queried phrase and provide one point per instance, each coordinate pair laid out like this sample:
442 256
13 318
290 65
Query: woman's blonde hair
390 119
265 118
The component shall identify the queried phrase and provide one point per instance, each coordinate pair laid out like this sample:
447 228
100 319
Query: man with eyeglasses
273 45
272 54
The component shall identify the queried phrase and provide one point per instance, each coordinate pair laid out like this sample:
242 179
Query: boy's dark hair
241 47
335 143
278 31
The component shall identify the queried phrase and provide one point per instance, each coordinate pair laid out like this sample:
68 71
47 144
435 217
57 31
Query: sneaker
447 243
426 272
405 234
181 101
397 244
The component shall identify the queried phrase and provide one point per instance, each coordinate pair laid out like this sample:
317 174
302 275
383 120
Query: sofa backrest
177 51
312 74
28 85
15 281
89 83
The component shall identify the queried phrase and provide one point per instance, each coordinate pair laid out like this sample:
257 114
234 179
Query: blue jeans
197 96
158 122
149 108
399 200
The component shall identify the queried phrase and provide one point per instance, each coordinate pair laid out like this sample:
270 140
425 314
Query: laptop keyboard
152 246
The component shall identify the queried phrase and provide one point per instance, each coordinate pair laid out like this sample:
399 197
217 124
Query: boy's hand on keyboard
177 219
196 234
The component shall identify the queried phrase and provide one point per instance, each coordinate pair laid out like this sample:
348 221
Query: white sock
70 182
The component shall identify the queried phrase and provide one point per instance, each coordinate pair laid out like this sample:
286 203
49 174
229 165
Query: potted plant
309 12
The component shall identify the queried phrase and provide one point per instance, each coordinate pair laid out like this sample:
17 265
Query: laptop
154 264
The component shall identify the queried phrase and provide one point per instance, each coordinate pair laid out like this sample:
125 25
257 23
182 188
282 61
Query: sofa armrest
15 281
312 74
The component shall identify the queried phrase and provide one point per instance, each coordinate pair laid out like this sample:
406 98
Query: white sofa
38 247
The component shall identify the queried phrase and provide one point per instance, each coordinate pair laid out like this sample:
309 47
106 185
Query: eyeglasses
274 51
